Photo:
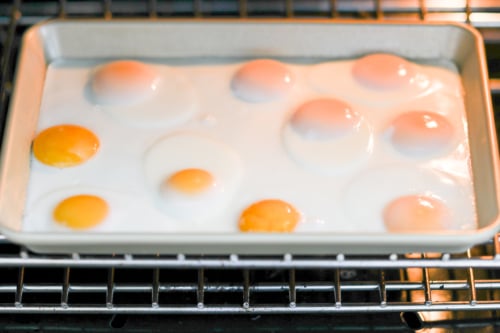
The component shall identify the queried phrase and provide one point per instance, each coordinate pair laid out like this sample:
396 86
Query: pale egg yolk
123 81
383 71
420 132
325 119
191 181
65 146
81 211
262 81
416 213
269 216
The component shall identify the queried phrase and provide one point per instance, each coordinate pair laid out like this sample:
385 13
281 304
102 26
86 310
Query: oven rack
232 284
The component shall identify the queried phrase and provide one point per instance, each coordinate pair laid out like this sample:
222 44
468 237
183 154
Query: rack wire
75 283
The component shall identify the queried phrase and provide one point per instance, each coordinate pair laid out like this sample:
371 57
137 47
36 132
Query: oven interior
436 292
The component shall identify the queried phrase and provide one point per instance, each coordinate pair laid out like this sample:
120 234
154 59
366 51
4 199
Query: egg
262 80
421 133
191 177
327 135
417 213
64 146
377 80
384 71
395 197
82 208
81 211
143 95
123 82
270 215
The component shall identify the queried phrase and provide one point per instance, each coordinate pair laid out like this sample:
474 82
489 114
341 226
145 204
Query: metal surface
128 284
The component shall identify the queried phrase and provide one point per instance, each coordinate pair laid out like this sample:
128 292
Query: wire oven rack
74 283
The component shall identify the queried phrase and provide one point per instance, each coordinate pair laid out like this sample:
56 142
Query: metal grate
226 284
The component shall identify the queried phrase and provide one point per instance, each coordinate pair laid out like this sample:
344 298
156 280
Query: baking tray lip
461 238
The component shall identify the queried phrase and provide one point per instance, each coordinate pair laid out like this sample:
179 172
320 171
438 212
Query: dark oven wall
266 293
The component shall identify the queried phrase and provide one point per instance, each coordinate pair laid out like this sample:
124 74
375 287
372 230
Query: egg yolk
420 132
383 71
262 81
123 81
191 181
81 211
416 213
325 119
65 146
269 216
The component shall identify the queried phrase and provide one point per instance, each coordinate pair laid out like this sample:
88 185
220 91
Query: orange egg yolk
416 213
269 216
65 146
191 181
81 211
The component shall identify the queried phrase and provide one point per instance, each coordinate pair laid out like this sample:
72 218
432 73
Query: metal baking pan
91 39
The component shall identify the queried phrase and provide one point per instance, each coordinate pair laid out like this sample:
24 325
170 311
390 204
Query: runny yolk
65 146
191 181
269 216
82 211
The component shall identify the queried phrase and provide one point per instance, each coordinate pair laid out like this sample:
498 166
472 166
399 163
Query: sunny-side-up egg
262 80
65 145
191 177
400 198
327 135
421 134
271 215
143 94
376 80
92 209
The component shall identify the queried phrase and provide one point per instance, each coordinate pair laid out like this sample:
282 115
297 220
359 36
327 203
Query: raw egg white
191 177
144 95
262 80
270 215
327 135
421 134
65 146
393 198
